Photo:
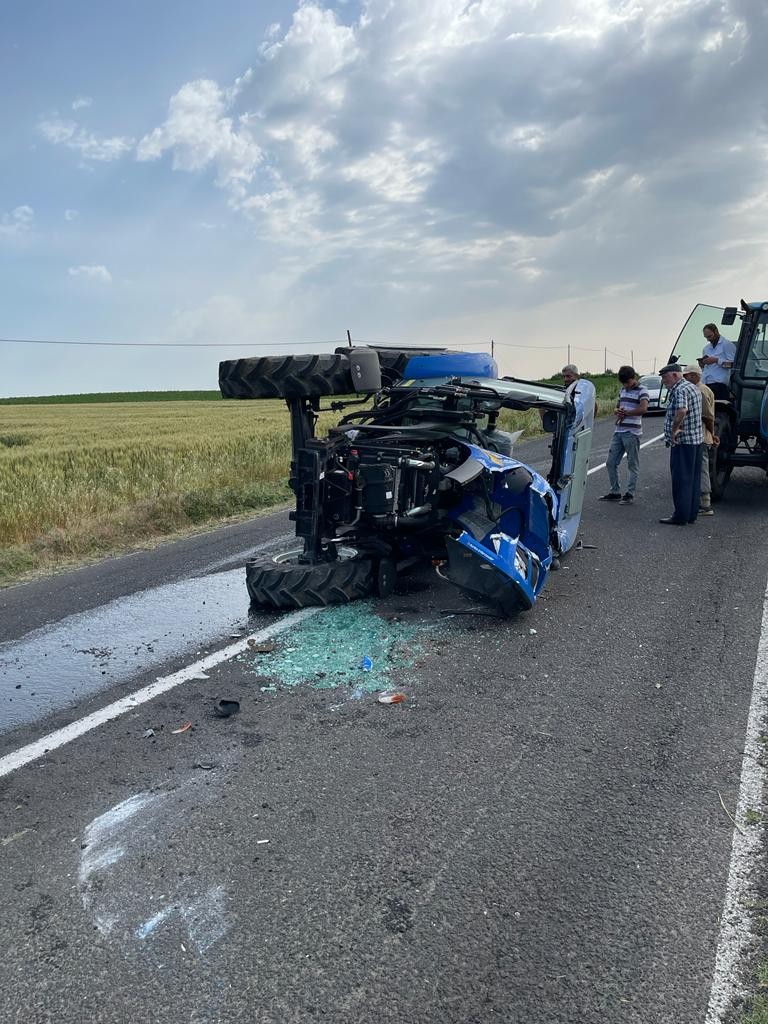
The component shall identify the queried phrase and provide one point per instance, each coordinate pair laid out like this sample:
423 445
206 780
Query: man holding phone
716 362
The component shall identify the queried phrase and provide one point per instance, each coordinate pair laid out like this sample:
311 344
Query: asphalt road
533 836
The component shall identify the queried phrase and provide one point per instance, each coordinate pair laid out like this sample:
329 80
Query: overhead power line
167 344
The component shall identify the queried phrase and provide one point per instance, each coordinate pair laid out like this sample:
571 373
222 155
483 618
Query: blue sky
264 174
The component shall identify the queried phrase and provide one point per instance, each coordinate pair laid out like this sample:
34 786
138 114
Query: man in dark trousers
684 436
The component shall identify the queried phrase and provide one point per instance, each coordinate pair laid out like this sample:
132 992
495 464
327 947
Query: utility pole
491 348
605 359
654 364
632 355
349 339
569 352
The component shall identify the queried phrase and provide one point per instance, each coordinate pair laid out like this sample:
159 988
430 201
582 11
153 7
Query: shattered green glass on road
327 650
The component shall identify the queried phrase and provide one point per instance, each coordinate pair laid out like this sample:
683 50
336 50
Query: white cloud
62 132
81 102
199 134
71 215
17 222
92 272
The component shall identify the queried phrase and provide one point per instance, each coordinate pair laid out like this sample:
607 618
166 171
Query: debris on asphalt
148 733
16 835
200 675
391 698
325 650
260 842
731 817
262 648
581 546
366 664
184 728
205 766
226 708
270 688
531 632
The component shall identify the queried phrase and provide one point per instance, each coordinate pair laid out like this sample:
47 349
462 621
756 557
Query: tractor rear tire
720 465
300 376
282 582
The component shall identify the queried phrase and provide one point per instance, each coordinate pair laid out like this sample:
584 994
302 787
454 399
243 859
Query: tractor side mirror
549 421
365 369
729 315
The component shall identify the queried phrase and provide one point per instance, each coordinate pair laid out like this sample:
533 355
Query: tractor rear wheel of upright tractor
300 376
720 465
281 581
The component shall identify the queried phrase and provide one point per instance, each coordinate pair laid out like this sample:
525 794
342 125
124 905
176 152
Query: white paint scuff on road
645 444
104 845
34 751
746 848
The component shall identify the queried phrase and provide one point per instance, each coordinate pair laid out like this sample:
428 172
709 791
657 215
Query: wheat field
79 480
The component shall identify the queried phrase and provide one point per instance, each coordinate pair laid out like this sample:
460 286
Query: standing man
569 373
716 362
630 408
684 436
693 374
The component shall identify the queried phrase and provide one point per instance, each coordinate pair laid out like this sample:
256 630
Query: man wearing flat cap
684 436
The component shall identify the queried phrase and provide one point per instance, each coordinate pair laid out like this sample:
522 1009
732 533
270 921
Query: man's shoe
627 499
610 496
671 521
706 511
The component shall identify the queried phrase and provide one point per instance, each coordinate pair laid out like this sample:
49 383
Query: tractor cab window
756 363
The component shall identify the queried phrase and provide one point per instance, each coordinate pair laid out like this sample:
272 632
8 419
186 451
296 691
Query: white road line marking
36 750
746 848
643 445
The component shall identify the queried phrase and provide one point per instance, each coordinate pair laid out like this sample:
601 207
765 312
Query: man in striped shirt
630 408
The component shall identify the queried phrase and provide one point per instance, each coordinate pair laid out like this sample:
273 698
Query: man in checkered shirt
683 435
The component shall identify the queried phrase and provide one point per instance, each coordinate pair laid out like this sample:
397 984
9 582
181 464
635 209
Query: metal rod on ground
349 339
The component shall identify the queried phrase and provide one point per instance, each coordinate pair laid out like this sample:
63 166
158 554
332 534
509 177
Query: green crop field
87 479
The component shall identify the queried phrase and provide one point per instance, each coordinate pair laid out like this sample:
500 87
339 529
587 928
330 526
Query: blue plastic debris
366 664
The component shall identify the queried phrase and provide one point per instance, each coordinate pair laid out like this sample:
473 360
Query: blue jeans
685 466
623 441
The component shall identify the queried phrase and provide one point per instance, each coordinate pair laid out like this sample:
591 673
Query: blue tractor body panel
470 365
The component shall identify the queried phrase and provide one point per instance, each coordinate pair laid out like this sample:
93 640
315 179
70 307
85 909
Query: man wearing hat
684 436
693 374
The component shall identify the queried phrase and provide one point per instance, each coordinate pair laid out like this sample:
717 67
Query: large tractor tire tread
289 585
720 467
297 376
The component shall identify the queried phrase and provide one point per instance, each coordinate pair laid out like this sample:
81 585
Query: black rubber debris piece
226 708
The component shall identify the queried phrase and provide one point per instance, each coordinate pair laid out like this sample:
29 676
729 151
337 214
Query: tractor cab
741 422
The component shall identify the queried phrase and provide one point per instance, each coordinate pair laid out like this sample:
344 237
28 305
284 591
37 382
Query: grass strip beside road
83 481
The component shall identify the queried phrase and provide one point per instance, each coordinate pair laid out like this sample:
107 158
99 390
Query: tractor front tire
720 465
283 582
300 376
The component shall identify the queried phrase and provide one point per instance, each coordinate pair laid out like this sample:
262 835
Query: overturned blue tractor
417 472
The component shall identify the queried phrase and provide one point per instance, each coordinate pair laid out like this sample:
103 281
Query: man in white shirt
716 362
